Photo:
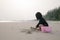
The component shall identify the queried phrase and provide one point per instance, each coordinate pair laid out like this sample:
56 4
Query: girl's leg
40 26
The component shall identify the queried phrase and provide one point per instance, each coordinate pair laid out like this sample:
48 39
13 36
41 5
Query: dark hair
38 15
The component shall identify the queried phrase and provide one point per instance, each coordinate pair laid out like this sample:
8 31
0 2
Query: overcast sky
25 9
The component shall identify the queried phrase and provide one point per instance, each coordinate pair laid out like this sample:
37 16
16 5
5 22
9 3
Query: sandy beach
12 31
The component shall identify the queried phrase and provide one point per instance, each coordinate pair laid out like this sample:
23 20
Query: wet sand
12 31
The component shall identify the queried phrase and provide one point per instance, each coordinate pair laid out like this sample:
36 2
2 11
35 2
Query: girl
42 21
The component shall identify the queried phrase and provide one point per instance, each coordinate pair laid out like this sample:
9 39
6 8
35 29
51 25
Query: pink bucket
46 29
